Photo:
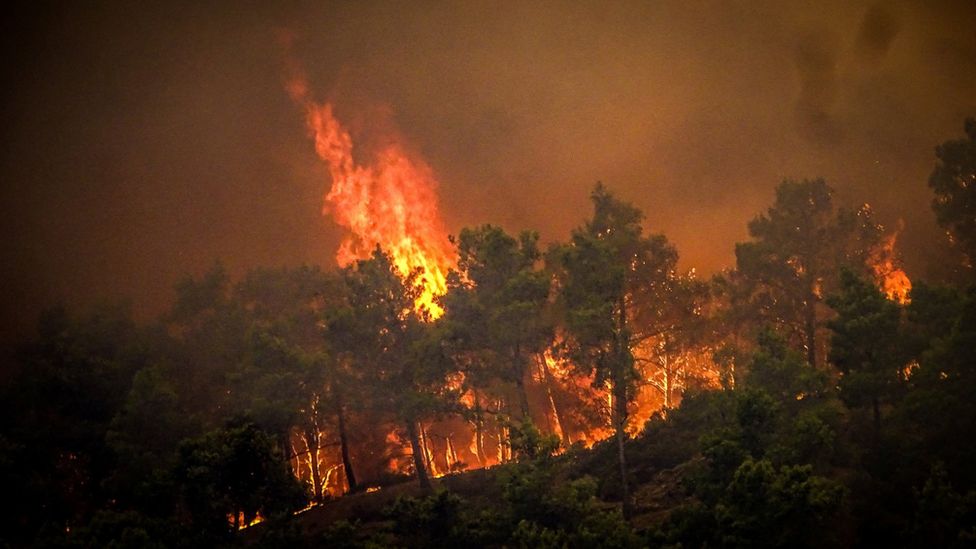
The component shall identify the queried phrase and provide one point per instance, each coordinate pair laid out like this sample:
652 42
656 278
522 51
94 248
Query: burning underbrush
562 402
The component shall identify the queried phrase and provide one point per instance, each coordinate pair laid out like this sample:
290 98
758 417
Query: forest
582 393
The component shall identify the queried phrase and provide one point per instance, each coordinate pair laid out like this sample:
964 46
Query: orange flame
391 202
889 277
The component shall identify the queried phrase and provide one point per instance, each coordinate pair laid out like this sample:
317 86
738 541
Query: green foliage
760 505
769 507
954 182
608 267
797 248
57 411
606 273
529 443
938 410
401 362
234 471
545 513
943 517
867 344
433 521
114 435
781 371
496 307
126 530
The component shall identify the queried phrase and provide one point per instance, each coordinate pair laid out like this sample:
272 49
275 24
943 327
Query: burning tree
867 345
602 273
794 258
674 344
399 358
496 308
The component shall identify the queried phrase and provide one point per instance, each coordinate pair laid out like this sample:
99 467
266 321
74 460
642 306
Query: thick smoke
144 141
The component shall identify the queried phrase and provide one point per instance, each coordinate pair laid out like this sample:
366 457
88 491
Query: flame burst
887 274
390 202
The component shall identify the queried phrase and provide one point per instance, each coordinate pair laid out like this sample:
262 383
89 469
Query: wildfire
889 277
390 202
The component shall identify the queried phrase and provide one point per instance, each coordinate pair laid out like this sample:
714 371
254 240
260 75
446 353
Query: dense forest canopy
811 396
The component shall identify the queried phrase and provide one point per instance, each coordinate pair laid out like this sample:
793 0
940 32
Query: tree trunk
523 397
428 445
344 448
667 384
619 409
518 372
418 457
452 457
556 412
311 437
479 431
620 423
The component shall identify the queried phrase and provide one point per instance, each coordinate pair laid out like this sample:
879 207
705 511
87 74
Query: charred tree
419 457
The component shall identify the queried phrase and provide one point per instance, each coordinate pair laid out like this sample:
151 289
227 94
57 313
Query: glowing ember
390 202
241 523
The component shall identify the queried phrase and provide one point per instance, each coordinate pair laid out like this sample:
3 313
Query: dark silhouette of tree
796 251
603 273
867 345
672 327
58 410
400 358
954 182
496 307
230 476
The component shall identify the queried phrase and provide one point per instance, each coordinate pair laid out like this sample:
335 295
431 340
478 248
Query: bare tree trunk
666 389
311 438
518 372
619 409
620 423
556 412
504 442
427 445
450 453
418 457
479 431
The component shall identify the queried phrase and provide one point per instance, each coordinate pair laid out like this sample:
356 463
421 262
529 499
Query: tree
58 409
770 507
603 272
939 409
797 248
497 304
400 357
209 343
230 476
867 344
672 325
954 182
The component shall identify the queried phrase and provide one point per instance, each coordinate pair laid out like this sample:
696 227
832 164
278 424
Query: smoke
142 142
816 64
878 30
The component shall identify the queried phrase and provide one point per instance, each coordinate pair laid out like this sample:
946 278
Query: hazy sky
142 143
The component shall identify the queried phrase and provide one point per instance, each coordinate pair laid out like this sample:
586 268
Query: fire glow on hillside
387 198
